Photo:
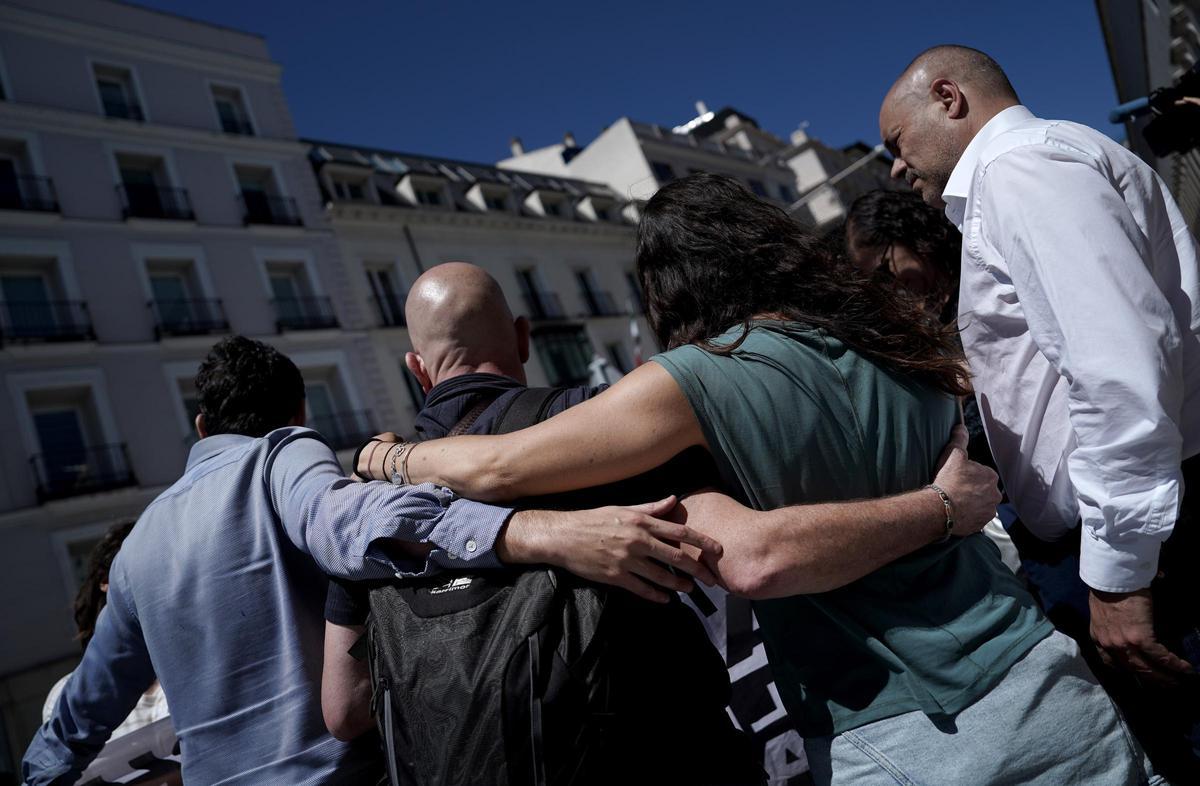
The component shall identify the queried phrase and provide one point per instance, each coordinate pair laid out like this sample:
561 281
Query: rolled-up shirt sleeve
354 530
1081 269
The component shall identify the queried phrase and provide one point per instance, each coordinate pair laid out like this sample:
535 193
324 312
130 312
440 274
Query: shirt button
471 546
450 555
399 575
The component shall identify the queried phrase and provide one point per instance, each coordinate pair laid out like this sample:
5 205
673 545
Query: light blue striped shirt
219 591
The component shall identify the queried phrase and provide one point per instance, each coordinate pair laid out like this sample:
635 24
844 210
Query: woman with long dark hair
810 386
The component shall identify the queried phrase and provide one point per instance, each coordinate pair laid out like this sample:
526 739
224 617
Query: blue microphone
1130 109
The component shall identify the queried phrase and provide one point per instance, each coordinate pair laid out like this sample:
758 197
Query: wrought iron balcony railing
260 208
146 201
128 110
25 192
600 303
45 320
391 310
85 470
188 317
344 430
544 305
304 313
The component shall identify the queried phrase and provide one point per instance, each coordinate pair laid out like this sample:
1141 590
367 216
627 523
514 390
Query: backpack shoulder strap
524 410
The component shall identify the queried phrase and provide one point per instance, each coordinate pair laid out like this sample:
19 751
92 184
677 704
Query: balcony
188 317
70 473
600 304
259 208
544 305
146 201
304 313
45 320
391 310
344 430
28 193
126 110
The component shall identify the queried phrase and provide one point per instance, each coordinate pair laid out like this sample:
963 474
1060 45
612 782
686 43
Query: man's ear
301 416
521 324
201 427
947 93
416 365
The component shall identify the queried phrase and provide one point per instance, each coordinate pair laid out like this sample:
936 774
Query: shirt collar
960 179
212 446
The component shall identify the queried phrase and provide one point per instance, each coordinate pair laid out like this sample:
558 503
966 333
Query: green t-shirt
793 416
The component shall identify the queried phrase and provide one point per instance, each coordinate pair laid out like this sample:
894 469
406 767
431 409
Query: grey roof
462 175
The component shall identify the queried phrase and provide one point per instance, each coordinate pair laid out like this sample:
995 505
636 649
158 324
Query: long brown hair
711 255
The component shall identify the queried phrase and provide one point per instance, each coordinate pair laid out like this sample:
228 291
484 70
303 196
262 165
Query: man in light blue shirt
219 590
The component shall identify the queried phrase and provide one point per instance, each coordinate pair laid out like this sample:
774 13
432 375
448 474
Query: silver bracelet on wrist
949 506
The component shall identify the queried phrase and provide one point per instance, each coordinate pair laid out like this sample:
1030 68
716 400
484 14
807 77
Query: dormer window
424 190
551 204
600 209
490 197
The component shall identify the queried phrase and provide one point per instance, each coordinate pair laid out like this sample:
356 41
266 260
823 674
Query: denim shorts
1048 722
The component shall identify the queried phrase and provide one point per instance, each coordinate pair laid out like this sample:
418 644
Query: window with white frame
73 456
349 188
294 295
231 110
146 189
329 409
118 92
261 197
21 187
178 299
387 291
618 357
33 302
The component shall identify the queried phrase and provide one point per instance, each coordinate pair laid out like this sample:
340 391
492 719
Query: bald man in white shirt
1080 316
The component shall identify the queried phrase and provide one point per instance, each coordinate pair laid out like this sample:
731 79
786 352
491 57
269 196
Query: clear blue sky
458 79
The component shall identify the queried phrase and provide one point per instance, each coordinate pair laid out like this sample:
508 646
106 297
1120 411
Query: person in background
90 599
896 237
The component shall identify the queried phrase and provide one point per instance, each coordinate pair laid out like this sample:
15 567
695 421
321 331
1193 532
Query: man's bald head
966 66
459 322
935 108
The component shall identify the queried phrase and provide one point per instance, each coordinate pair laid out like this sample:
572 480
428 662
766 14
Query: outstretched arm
634 426
806 549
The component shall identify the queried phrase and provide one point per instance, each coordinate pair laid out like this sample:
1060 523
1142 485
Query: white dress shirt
1080 315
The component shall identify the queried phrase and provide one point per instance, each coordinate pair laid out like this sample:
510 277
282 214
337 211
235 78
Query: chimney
569 140
701 108
515 145
800 135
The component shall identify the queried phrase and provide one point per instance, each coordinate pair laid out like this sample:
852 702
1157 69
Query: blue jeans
1048 723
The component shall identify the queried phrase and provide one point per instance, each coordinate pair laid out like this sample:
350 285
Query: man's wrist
521 541
933 514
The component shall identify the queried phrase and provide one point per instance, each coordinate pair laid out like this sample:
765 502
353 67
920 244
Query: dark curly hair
247 387
879 219
91 597
711 255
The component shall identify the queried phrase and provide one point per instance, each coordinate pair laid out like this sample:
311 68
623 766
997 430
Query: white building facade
153 197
